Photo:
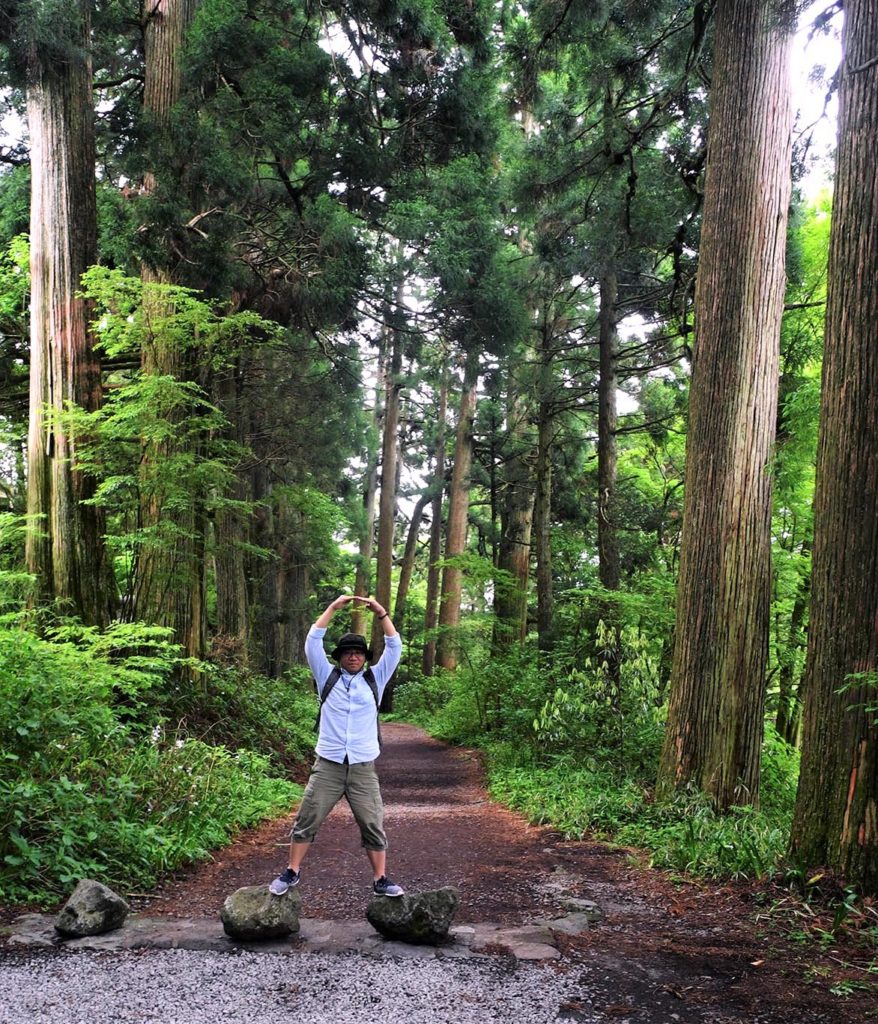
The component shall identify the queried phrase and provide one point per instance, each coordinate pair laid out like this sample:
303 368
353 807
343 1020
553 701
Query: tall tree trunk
407 566
543 497
714 730
516 519
608 543
65 547
789 705
458 510
363 578
836 816
171 573
231 532
431 612
262 577
389 463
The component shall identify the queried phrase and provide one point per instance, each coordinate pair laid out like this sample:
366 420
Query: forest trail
442 828
665 951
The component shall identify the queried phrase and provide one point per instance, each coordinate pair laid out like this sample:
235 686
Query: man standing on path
347 743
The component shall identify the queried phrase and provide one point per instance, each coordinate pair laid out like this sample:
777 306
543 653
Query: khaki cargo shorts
329 782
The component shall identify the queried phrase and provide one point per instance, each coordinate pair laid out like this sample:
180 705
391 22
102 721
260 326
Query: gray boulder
253 913
92 909
423 918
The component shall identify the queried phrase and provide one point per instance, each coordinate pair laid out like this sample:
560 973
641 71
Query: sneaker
384 887
286 880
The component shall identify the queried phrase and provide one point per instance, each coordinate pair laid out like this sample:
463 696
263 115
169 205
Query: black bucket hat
351 642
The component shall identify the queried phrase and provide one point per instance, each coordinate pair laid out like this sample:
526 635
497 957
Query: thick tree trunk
231 532
171 587
836 817
431 612
714 730
517 522
65 547
262 577
458 510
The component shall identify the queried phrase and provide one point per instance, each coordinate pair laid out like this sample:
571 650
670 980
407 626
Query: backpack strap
333 678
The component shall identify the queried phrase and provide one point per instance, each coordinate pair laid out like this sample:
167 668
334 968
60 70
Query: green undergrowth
575 746
685 835
96 782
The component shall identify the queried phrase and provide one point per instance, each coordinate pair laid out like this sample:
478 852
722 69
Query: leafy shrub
610 705
85 791
420 698
240 709
689 835
571 798
493 696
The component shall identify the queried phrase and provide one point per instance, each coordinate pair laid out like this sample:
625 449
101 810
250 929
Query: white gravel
186 987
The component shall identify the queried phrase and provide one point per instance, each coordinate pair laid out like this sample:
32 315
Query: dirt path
665 952
442 830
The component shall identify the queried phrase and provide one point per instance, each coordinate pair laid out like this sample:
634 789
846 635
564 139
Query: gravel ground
194 987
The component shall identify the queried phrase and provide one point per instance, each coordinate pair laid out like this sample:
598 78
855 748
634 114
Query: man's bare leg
378 860
297 854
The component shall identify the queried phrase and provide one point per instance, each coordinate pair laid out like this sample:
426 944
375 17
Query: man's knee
325 788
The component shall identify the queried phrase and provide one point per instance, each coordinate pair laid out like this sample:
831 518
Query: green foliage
83 791
16 586
242 710
14 203
158 441
609 707
686 835
14 357
574 743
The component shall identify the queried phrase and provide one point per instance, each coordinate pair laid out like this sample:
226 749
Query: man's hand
330 610
373 605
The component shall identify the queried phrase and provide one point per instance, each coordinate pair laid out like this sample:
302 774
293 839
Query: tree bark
516 521
363 577
714 732
431 612
407 565
543 497
171 588
230 530
836 816
389 463
65 548
458 510
608 543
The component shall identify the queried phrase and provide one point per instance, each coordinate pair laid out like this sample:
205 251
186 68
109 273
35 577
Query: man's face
352 661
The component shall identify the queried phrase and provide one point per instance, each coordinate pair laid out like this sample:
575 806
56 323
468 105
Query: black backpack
332 679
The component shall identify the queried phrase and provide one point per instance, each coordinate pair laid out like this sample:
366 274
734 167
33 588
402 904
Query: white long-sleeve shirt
349 720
